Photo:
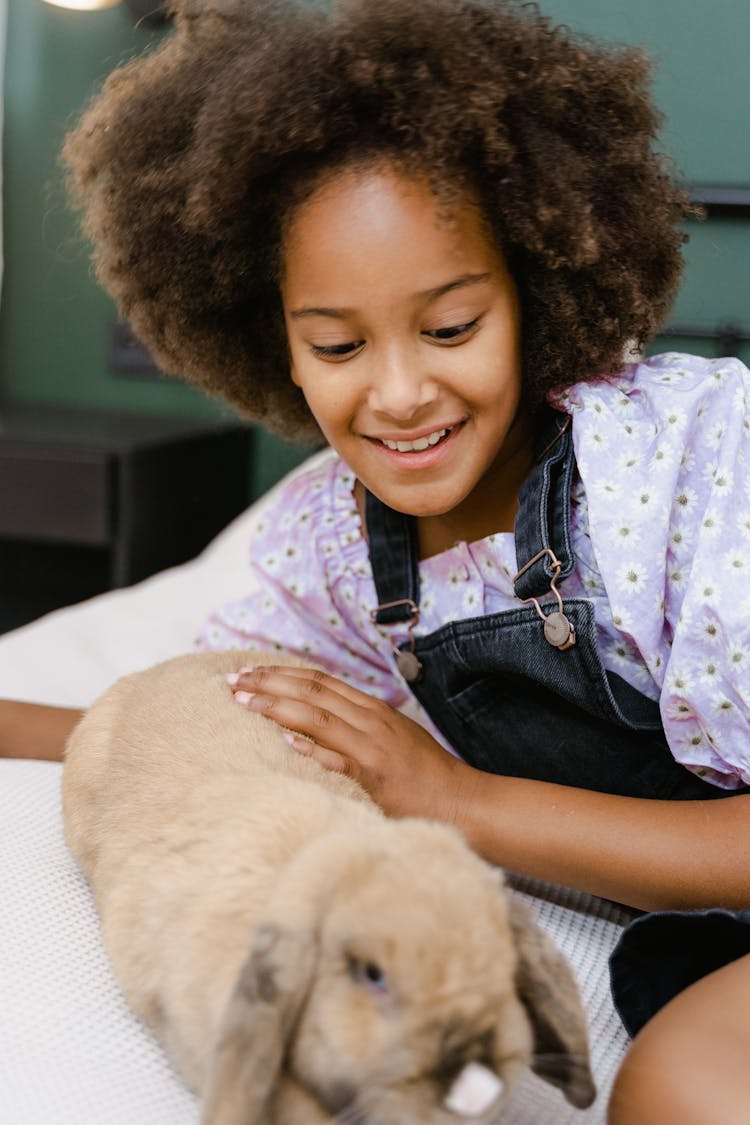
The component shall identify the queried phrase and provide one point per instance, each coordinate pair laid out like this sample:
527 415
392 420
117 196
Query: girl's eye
455 334
336 351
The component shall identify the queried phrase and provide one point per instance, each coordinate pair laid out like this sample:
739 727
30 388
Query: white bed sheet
70 1051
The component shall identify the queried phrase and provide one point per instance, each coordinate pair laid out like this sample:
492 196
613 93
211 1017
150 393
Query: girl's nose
401 387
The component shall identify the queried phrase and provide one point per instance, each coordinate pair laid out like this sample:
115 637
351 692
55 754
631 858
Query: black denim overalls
521 694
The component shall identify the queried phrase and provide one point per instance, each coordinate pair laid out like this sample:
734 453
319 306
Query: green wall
54 319
700 51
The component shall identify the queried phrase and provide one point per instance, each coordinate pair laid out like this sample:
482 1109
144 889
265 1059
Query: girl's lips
419 459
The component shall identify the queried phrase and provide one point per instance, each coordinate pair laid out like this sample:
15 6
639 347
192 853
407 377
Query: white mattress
70 1051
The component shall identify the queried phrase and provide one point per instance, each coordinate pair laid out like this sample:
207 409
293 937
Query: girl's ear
293 373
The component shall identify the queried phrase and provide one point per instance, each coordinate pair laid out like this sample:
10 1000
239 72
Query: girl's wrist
34 730
463 801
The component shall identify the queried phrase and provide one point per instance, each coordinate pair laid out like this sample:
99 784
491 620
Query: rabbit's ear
548 991
261 1014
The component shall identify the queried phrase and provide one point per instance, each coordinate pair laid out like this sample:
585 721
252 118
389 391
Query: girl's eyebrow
428 295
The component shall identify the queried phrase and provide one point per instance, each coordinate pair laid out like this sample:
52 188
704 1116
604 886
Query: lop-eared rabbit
303 958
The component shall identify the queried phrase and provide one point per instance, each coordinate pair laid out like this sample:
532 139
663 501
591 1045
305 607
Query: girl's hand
397 761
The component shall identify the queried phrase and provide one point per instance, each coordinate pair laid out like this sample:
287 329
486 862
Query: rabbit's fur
249 899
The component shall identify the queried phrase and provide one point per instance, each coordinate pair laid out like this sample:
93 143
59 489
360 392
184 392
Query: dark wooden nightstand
93 500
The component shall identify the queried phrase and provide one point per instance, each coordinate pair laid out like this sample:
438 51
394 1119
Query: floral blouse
660 526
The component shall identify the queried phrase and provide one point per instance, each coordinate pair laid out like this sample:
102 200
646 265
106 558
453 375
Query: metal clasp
558 630
408 663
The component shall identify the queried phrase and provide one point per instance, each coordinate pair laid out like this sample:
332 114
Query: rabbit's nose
474 1091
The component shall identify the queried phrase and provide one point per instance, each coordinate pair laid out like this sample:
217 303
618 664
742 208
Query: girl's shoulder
671 390
311 513
315 486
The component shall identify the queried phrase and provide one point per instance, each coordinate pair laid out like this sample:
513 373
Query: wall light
84 5
148 12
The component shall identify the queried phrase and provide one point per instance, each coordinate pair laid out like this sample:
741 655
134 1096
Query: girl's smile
404 335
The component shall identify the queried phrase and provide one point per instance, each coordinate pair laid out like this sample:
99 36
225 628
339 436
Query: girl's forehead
382 220
379 194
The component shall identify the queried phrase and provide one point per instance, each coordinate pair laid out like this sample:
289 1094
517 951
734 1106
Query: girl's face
404 336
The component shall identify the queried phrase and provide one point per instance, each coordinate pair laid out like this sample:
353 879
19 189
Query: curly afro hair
188 163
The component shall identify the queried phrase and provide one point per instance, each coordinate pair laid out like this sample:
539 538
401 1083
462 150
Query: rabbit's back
158 736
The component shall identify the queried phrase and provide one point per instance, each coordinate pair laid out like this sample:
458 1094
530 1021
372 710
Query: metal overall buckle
558 630
407 662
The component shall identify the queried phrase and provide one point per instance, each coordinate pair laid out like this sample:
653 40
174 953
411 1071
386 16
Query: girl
437 235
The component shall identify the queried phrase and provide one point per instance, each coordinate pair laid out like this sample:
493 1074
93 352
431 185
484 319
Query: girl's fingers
326 727
261 675
330 759
308 685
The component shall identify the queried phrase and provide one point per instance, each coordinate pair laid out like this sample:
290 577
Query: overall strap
394 551
543 548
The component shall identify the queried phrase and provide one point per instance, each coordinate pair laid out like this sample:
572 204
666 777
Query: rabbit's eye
368 973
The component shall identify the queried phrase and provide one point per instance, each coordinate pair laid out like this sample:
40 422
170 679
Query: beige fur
243 890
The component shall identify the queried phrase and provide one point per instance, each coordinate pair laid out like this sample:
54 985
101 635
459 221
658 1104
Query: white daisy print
678 578
712 525
708 632
632 578
628 461
659 606
627 535
679 709
675 418
722 479
737 561
710 674
680 541
214 634
599 439
722 706
622 621
471 602
662 459
739 400
685 500
679 682
427 602
715 435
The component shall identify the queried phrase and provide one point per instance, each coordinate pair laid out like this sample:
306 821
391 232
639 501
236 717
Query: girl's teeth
418 445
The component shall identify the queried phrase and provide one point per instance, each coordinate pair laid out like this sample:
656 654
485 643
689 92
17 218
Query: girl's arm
34 730
654 855
645 853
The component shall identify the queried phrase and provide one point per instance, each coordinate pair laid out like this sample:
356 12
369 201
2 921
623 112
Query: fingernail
243 697
301 745
232 678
